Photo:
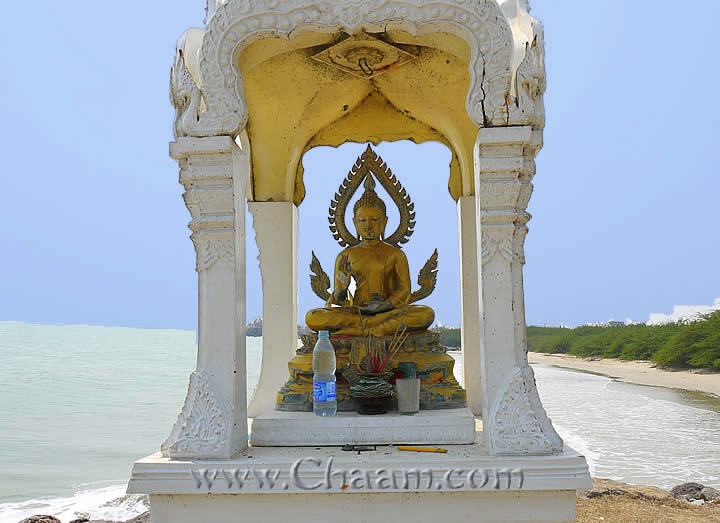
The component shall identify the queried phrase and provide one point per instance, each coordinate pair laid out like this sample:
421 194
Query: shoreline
607 500
637 372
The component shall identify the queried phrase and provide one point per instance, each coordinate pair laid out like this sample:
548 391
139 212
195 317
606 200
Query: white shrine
262 83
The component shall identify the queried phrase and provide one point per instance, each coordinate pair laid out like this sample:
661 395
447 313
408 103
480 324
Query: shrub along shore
683 345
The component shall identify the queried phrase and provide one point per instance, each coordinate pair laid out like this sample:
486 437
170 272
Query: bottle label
319 392
324 392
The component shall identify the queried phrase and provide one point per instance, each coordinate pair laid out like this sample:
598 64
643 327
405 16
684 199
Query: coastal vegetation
449 337
682 345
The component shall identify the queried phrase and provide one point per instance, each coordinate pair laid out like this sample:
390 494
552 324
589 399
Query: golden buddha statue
381 302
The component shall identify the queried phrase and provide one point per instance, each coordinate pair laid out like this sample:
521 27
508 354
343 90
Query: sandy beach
640 372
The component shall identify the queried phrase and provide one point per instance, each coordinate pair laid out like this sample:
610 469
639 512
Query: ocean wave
108 503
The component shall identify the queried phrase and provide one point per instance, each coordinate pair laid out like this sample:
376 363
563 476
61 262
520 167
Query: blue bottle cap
324 334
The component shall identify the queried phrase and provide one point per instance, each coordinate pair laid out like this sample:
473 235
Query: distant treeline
449 337
684 345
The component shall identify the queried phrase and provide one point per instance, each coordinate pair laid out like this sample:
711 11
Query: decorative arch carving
237 23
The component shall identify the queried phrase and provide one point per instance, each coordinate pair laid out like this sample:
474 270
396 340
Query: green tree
690 344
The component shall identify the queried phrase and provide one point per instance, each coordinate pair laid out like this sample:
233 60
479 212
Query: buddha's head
369 213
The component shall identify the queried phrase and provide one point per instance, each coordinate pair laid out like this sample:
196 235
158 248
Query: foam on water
107 503
634 433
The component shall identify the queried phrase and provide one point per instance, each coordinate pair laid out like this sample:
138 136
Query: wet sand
639 372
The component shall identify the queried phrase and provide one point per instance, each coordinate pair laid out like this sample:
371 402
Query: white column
514 420
275 226
213 421
470 303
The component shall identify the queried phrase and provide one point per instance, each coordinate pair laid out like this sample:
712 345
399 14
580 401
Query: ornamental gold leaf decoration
370 164
319 280
427 278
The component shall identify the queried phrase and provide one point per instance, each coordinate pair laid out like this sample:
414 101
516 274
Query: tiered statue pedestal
438 387
277 485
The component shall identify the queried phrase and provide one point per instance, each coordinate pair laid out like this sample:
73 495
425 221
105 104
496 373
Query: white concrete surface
275 225
495 507
464 468
471 331
438 427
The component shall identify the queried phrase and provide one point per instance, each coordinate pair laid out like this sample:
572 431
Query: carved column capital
497 243
206 172
507 243
505 169
211 249
518 240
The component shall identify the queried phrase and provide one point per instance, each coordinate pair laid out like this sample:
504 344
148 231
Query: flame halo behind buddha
382 302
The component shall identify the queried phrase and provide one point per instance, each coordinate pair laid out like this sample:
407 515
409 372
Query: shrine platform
278 484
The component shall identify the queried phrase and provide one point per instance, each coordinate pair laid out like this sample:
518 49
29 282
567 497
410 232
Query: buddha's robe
381 272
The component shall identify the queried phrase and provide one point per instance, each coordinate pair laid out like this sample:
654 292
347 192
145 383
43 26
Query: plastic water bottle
324 396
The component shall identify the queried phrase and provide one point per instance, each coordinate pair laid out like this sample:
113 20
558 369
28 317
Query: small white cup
408 395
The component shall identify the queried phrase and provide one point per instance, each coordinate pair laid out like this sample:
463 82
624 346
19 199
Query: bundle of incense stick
377 358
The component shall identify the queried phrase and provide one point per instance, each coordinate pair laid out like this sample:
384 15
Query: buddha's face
370 223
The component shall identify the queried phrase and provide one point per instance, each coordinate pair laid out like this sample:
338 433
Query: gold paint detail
319 280
296 103
427 279
382 301
364 56
439 388
238 24
370 164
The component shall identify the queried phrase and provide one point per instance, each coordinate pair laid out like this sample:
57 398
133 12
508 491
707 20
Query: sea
79 404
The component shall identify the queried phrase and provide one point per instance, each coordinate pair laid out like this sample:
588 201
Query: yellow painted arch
296 103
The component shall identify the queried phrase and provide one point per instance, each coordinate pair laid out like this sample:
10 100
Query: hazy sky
93 227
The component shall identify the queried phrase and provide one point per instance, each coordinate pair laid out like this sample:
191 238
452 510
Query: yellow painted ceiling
296 103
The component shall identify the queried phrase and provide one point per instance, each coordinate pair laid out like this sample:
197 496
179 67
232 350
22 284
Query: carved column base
518 423
202 426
